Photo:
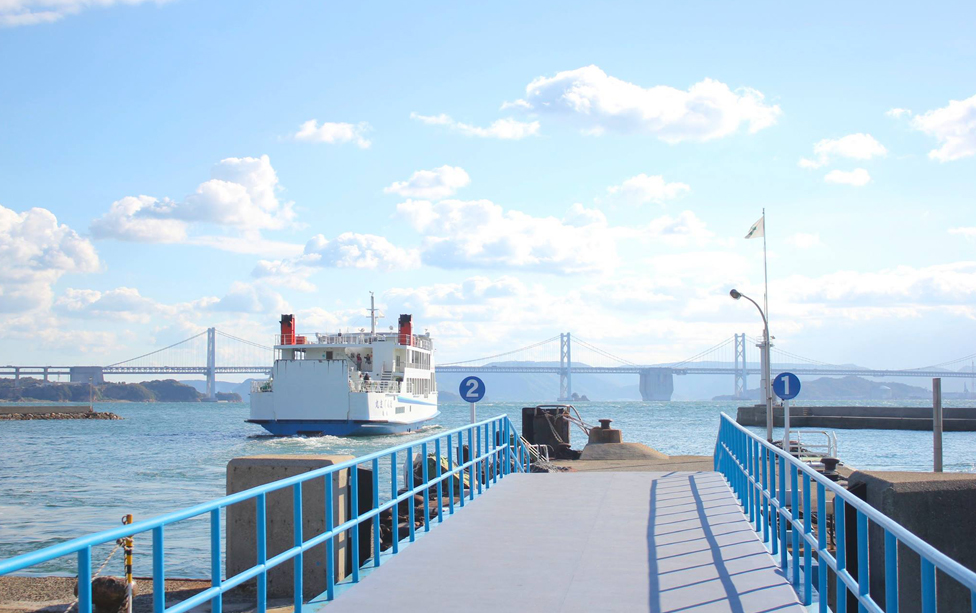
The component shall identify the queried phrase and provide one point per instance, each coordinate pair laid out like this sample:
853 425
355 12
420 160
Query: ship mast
372 314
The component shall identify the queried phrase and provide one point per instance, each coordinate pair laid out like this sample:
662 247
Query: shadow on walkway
702 554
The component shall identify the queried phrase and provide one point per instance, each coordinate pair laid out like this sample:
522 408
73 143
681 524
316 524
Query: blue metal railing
494 451
757 471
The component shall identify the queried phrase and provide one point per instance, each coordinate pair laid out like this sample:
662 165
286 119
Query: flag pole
769 341
765 270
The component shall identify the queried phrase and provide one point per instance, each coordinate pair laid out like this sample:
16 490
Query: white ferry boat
356 384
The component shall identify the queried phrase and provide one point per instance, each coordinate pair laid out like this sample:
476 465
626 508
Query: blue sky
159 174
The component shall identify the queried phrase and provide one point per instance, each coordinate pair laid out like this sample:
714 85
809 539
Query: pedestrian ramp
583 542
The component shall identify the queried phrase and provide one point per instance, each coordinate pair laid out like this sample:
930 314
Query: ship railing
258 387
354 338
383 387
466 462
803 443
777 493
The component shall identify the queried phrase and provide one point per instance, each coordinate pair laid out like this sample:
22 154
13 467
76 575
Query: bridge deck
584 542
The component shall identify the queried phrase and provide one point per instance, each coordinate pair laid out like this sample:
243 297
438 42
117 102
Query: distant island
850 387
167 390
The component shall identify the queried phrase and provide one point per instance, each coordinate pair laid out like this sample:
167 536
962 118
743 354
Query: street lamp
736 294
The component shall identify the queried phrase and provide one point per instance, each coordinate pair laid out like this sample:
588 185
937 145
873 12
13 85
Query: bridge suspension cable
793 356
157 351
601 352
507 353
245 341
712 349
967 358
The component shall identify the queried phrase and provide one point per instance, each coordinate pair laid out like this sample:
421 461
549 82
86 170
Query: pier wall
937 507
41 409
247 472
875 418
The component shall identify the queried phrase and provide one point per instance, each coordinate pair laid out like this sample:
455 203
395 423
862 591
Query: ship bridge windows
418 359
420 387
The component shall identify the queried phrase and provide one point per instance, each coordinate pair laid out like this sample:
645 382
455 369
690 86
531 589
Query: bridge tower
741 375
211 364
565 367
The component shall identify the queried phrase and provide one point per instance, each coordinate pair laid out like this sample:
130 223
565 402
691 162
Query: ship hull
339 427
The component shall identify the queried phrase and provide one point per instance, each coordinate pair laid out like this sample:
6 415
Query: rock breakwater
33 416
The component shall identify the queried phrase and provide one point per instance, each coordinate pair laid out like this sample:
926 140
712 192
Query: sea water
62 479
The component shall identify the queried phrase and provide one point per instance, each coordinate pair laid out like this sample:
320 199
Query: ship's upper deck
356 339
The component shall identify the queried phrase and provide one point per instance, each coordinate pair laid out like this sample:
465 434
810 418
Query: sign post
786 386
472 389
937 424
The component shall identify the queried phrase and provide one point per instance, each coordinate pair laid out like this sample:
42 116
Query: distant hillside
168 390
851 387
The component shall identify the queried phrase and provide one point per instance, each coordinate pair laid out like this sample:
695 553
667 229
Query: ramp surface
585 542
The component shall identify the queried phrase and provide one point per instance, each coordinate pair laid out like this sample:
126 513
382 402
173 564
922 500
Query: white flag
756 231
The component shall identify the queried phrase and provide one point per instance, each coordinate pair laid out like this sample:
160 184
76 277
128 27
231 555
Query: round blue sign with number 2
472 389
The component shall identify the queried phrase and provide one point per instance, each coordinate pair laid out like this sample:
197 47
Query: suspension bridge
237 356
213 352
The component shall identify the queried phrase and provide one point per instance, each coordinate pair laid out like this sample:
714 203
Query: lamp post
736 294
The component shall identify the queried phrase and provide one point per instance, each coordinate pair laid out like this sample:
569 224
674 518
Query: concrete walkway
585 542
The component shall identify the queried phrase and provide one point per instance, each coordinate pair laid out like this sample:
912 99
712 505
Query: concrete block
938 508
245 473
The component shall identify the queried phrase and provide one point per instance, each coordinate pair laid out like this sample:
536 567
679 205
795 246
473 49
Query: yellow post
127 543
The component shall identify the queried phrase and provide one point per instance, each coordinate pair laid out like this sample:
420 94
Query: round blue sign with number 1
472 389
786 385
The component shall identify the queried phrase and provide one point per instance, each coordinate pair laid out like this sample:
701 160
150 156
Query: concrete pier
938 507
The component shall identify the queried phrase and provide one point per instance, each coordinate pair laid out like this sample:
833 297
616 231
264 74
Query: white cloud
288 272
42 329
241 194
580 216
643 189
953 283
479 233
131 219
597 102
853 146
32 12
251 298
348 250
684 229
434 184
504 129
35 252
857 177
334 133
433 120
352 250
968 232
249 244
123 303
898 113
954 126
802 240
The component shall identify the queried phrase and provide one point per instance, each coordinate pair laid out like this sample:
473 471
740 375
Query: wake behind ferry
356 384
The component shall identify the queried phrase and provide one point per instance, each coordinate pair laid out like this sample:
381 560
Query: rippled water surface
61 479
